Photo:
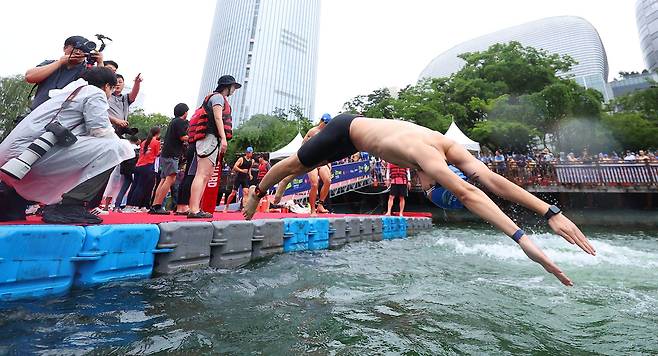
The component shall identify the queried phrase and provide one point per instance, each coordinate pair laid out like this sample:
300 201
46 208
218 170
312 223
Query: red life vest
396 174
202 121
262 170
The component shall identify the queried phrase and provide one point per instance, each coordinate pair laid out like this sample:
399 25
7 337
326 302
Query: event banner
339 173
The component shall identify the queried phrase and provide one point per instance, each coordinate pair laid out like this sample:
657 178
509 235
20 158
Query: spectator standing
263 167
118 112
140 192
242 167
127 168
120 103
499 162
399 182
173 147
218 132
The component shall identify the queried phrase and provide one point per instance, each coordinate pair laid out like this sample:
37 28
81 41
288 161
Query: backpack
199 120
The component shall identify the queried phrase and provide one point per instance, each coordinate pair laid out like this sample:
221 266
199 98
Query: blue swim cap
250 149
442 197
325 118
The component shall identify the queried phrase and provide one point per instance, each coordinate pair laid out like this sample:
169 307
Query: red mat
144 218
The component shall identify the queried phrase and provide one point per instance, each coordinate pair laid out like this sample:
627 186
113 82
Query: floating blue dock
38 261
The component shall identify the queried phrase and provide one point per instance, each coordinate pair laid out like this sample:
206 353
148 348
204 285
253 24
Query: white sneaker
32 209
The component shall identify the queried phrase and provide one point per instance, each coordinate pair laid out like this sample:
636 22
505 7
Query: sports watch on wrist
552 211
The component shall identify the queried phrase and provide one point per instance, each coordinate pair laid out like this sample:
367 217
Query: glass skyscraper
568 35
646 13
271 47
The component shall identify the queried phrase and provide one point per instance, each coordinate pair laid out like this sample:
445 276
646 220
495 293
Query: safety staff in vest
398 181
219 131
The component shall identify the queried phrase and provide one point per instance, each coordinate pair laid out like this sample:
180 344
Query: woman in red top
144 180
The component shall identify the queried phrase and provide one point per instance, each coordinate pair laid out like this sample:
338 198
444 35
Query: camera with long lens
55 134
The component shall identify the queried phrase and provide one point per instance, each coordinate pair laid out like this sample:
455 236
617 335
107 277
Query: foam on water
608 252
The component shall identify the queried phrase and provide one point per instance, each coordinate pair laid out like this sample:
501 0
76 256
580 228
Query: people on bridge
412 146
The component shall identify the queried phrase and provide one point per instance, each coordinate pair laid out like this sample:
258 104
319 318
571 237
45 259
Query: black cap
71 41
226 80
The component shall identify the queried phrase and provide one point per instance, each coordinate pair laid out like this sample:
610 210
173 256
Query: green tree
14 101
378 104
631 130
506 135
644 102
144 122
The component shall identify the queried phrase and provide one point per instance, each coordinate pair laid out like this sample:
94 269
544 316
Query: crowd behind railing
543 168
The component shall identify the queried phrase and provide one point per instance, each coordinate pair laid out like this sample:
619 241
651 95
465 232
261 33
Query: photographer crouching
63 152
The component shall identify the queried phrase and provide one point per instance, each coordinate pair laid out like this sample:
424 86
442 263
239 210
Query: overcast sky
364 44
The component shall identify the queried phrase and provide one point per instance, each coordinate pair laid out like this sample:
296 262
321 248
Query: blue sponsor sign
339 173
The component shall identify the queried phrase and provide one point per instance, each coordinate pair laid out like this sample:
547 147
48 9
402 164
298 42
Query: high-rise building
568 35
271 47
646 13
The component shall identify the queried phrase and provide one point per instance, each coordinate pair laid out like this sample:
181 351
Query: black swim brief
331 144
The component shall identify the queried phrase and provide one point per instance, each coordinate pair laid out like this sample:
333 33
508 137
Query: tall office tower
569 35
646 13
271 47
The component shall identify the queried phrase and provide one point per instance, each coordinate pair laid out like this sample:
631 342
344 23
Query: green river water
454 290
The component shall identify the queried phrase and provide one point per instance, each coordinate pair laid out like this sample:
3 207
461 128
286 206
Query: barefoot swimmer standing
412 146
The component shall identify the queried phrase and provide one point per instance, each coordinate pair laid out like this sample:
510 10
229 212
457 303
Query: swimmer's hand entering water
570 232
536 254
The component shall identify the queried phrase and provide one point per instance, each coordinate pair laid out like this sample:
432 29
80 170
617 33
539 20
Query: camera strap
68 100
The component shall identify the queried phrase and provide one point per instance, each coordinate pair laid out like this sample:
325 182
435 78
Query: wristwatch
552 211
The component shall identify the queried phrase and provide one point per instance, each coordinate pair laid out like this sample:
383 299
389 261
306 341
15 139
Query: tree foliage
144 122
507 96
14 101
267 133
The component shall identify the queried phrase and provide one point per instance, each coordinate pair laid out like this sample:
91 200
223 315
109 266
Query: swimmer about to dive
411 146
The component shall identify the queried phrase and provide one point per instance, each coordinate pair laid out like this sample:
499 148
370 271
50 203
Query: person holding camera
62 153
56 74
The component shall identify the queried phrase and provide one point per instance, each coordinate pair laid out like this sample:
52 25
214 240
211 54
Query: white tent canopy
455 134
289 149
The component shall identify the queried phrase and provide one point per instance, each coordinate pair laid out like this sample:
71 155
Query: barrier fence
589 174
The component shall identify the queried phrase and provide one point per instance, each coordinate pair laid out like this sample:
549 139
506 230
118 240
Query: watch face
554 209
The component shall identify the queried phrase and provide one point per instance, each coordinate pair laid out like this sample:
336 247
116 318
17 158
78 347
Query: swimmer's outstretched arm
432 164
507 190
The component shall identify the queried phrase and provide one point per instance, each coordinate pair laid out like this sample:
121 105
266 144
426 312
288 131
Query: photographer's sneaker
69 214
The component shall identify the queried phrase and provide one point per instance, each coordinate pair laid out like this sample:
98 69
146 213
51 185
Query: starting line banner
339 173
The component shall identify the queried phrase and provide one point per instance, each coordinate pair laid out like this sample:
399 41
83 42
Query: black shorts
241 181
333 143
398 190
